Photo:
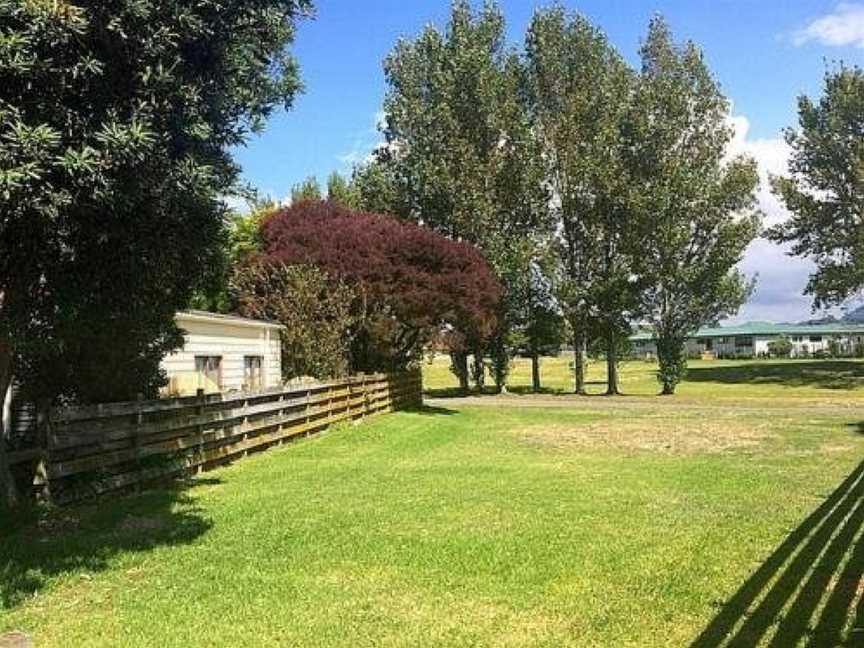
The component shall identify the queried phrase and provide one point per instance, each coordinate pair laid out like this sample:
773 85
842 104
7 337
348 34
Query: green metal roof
767 328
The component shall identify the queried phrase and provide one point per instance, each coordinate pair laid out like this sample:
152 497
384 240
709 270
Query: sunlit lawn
719 379
632 522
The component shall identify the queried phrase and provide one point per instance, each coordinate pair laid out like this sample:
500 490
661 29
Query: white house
752 339
220 353
224 353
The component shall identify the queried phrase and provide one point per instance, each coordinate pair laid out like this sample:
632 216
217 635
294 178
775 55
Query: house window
209 370
743 342
815 338
253 377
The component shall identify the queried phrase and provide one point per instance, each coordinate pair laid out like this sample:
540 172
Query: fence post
308 412
136 442
41 477
199 410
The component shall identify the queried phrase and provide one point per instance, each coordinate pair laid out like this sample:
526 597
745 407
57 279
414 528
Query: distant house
224 353
752 339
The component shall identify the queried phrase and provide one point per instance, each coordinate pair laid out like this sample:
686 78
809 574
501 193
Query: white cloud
781 279
841 28
364 143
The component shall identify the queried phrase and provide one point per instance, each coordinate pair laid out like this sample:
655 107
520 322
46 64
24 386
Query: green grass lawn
717 379
582 522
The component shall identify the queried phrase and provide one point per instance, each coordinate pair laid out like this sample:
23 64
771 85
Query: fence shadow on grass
86 538
808 590
827 374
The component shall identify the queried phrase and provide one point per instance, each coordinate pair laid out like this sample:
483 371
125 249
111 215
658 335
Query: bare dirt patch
651 435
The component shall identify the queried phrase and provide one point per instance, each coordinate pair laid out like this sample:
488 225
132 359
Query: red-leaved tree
409 281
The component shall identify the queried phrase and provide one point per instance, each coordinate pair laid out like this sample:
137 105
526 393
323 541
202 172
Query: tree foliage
116 125
342 192
539 327
459 154
825 188
308 189
580 89
695 209
408 281
780 347
315 310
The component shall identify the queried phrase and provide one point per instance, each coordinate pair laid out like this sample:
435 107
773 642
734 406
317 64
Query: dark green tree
780 347
116 126
342 191
825 188
309 189
694 210
378 188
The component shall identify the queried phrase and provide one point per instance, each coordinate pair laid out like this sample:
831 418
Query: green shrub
780 347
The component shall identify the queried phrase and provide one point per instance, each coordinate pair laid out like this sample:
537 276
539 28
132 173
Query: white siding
760 345
232 342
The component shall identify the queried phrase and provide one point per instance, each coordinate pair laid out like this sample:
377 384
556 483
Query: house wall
232 342
803 345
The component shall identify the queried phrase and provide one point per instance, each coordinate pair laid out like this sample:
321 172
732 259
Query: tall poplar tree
825 188
580 88
695 208
458 152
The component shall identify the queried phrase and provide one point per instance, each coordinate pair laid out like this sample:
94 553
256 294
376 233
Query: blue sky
765 53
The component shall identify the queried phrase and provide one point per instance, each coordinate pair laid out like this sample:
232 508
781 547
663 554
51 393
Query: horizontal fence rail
95 449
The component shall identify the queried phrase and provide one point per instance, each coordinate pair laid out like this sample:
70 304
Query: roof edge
219 318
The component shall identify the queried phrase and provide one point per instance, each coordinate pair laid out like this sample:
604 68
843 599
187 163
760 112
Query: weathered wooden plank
194 433
125 408
100 456
84 433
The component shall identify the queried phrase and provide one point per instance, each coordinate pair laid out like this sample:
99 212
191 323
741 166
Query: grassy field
639 521
706 380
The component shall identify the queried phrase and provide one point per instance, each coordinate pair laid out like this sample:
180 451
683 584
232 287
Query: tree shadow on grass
431 410
456 392
857 427
86 538
516 390
827 374
527 390
809 588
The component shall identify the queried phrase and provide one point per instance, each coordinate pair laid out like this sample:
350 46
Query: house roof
220 318
767 328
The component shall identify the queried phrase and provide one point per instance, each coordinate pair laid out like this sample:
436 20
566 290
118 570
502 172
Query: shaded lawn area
650 526
823 374
714 379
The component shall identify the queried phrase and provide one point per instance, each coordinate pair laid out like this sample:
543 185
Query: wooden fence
90 450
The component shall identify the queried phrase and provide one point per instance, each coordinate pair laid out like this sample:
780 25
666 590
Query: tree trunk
479 370
459 359
8 489
535 371
611 363
500 365
579 362
672 360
